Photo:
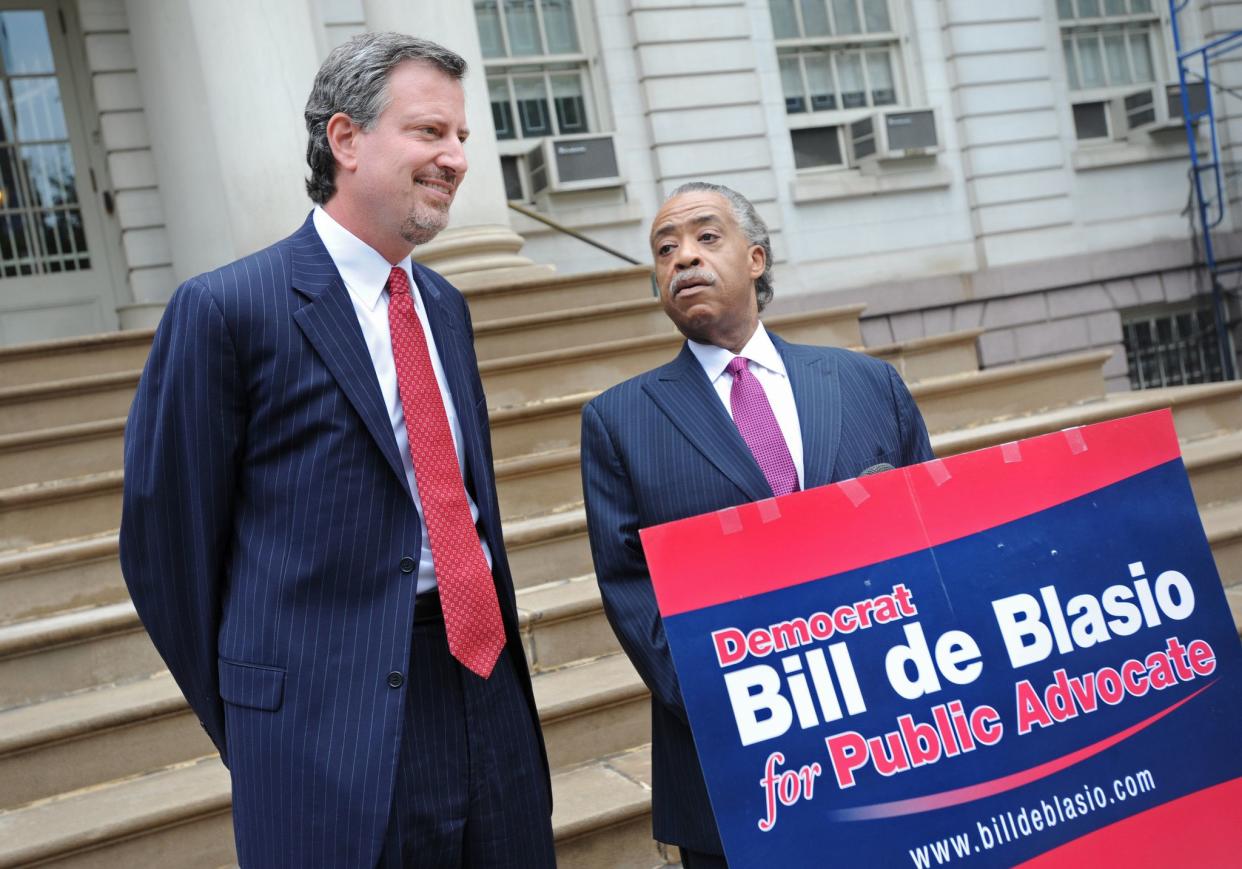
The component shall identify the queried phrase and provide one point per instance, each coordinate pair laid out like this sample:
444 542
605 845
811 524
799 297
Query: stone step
134 719
41 513
601 815
1214 464
65 451
536 483
59 654
179 816
67 358
937 356
1223 524
1199 411
534 377
1233 596
533 485
60 576
79 740
510 381
919 358
579 327
548 548
538 426
551 424
75 574
70 401
562 622
1011 390
592 708
1215 468
490 300
82 447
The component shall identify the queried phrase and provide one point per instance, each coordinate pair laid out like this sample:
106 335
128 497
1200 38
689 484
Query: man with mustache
738 416
311 533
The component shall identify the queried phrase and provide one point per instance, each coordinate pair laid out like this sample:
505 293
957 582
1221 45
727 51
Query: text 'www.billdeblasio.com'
1008 827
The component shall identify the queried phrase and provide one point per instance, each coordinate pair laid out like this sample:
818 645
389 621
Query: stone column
224 85
479 246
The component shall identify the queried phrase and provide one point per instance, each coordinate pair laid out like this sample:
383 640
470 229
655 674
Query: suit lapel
813 379
682 391
329 323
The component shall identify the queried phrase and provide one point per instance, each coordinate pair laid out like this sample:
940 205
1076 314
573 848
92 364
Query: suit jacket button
408 564
395 679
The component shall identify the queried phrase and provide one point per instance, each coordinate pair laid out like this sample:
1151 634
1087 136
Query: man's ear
758 261
343 140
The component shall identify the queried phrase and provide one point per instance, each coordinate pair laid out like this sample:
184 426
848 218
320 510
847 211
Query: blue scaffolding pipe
1207 220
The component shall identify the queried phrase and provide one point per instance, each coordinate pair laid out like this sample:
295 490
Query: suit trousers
470 789
702 860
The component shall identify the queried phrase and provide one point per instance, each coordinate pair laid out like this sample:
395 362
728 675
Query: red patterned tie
757 423
467 593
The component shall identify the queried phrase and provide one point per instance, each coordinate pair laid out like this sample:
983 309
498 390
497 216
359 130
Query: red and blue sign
1021 655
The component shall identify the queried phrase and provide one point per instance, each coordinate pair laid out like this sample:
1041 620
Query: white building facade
953 163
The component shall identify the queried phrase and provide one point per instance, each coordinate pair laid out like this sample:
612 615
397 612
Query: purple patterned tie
759 428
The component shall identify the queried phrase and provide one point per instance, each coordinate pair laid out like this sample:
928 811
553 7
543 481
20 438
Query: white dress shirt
365 272
769 369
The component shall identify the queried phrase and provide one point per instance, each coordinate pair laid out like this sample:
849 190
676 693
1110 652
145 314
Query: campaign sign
1017 655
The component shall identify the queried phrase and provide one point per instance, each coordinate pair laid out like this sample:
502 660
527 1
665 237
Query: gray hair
751 224
354 81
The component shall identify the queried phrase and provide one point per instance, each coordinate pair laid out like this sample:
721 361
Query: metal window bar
549 101
503 25
834 56
1172 349
48 237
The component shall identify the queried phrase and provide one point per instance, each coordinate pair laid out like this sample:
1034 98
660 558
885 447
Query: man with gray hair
311 533
738 416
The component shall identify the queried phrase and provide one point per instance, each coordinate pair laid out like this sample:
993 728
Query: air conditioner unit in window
893 134
1156 109
568 163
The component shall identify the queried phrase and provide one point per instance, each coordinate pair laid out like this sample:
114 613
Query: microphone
877 469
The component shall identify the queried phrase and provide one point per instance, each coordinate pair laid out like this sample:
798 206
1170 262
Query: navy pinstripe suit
268 536
662 447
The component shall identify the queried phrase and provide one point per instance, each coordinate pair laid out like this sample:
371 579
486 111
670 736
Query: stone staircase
101 762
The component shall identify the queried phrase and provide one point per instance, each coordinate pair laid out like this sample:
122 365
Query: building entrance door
55 275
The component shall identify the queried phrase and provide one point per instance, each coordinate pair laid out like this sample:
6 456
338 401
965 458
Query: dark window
817 146
1091 120
511 169
1172 348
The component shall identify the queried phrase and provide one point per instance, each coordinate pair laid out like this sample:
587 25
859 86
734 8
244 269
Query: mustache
448 176
702 276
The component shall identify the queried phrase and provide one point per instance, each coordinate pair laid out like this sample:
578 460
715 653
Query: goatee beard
423 224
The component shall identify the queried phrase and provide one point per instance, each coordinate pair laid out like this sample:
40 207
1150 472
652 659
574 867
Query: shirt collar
363 269
759 350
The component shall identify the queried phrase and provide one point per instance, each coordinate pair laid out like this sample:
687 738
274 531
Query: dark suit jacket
661 447
268 538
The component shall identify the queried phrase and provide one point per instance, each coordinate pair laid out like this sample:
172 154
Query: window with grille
1109 47
538 78
1171 348
41 227
536 68
837 58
